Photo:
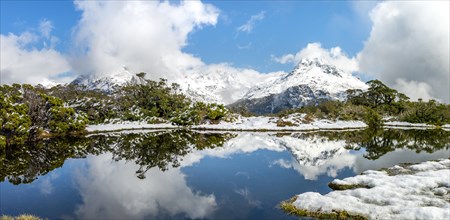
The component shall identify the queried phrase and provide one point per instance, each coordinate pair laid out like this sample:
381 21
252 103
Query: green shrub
372 118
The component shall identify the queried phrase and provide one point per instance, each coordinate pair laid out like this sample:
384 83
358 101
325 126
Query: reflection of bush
161 150
379 142
25 163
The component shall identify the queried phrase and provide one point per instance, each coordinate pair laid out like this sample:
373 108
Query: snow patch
422 194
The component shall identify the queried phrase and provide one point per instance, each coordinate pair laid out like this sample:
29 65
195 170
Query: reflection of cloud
110 190
244 174
330 167
46 185
247 196
243 143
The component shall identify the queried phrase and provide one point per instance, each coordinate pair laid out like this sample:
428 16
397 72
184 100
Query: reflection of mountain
315 155
313 151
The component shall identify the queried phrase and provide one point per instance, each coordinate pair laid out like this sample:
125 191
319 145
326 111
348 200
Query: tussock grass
20 217
289 208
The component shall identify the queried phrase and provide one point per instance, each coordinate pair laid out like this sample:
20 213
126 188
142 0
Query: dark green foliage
96 105
199 113
379 97
151 99
426 112
372 119
26 112
14 120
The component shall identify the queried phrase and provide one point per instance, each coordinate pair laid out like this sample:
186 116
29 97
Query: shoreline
256 124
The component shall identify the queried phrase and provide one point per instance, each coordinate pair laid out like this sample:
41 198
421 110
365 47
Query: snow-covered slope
107 82
213 83
220 83
313 79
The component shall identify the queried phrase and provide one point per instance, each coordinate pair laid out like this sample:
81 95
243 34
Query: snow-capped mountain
108 82
214 83
221 84
312 79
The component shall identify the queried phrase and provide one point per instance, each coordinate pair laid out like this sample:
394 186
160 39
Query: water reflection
109 190
183 174
24 163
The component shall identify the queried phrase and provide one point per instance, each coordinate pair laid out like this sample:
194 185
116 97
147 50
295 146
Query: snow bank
293 122
420 191
406 124
270 123
127 125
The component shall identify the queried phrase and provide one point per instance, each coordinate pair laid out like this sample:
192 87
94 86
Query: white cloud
23 62
408 48
334 55
145 35
46 27
245 46
250 24
414 89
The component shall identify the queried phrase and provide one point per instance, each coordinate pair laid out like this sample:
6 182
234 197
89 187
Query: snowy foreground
420 191
294 122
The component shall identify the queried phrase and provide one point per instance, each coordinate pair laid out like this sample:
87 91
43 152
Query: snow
220 83
406 124
297 121
106 82
316 73
270 123
242 124
421 191
223 84
127 125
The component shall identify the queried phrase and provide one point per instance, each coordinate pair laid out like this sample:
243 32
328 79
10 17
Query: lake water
189 175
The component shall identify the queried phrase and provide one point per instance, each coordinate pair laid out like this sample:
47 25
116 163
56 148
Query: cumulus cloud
334 55
145 35
408 48
250 24
22 61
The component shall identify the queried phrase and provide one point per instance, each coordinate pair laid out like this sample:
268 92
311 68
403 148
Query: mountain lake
182 174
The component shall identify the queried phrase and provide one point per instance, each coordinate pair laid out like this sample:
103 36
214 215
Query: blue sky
389 40
286 27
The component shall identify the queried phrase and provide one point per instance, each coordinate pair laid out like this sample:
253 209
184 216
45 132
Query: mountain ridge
312 80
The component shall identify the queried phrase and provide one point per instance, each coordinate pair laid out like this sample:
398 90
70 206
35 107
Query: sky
404 44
